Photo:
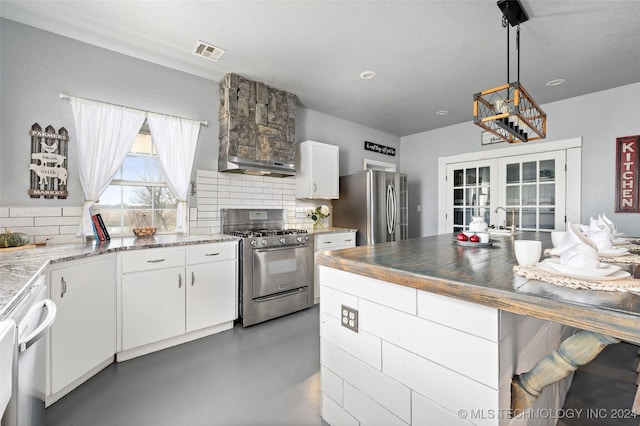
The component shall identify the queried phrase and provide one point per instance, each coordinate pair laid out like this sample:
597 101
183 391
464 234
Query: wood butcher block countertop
485 276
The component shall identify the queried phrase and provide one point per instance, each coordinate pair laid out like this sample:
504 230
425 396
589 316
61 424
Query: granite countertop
331 230
485 276
20 269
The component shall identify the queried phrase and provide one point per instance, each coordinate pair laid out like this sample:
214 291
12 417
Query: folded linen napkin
577 250
603 224
602 237
608 221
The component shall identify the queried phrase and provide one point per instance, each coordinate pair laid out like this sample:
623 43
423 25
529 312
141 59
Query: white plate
618 234
604 269
583 274
613 252
618 241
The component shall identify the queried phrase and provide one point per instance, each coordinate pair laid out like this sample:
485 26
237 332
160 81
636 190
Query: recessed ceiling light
442 112
556 82
367 75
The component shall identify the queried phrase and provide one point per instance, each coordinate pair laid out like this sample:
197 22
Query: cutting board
26 246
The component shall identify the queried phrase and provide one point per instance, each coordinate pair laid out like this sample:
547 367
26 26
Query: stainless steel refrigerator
375 203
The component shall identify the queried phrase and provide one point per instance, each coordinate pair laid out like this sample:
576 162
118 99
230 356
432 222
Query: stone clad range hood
257 128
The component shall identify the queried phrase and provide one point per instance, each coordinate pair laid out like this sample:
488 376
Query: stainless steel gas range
276 263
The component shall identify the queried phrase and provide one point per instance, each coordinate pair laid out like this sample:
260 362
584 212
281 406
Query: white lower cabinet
153 306
330 241
170 296
82 340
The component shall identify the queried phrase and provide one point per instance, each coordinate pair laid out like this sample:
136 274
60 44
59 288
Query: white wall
599 118
38 65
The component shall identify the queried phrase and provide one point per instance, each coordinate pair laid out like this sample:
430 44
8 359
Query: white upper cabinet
316 170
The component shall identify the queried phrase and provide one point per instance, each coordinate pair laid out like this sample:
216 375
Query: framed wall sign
380 149
627 170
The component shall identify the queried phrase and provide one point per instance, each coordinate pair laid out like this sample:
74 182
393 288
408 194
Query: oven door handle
289 247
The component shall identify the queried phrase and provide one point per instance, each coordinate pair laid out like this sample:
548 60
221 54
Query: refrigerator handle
394 208
389 209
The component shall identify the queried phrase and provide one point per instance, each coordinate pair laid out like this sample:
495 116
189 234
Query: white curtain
175 140
105 134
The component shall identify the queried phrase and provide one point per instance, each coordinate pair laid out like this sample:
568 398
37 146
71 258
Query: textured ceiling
428 55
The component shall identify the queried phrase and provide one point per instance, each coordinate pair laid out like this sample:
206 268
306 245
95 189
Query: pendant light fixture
508 111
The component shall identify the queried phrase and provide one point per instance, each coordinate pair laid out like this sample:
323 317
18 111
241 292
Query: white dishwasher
34 315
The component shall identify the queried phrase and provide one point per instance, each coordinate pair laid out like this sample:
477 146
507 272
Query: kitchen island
443 328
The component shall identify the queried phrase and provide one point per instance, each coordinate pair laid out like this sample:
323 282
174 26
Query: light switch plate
349 318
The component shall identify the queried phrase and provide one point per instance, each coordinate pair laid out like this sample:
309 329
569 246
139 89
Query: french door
528 190
533 191
471 192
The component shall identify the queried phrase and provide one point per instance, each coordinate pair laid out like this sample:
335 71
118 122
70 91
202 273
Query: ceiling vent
208 51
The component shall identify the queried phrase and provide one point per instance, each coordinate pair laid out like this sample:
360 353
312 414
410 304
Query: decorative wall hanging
48 168
627 169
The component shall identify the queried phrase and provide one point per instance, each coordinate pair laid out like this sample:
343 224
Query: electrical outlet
350 318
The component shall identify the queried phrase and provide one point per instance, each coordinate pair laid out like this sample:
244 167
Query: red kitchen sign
627 169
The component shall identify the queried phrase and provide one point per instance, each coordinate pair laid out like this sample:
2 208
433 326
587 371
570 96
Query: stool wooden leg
577 350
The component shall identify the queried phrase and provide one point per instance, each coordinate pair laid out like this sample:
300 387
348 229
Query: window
138 195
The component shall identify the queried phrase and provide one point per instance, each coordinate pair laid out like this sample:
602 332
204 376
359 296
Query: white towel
577 250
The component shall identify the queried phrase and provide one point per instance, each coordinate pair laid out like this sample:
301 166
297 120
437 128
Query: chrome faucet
513 217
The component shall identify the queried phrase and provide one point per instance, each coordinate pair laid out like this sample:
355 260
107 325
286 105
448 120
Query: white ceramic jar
478 224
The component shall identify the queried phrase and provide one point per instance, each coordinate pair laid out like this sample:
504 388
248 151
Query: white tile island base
419 358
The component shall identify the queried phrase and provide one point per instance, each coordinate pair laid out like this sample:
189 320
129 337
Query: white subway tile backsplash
368 411
390 393
214 191
60 220
11 222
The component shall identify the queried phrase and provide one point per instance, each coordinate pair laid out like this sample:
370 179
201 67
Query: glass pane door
470 188
534 191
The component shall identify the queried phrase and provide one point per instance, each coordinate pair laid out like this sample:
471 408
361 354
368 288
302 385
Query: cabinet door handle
155 261
315 187
179 280
212 254
328 242
63 287
193 278
348 241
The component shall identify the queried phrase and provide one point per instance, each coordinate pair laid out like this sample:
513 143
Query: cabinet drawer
145 260
347 239
339 240
212 252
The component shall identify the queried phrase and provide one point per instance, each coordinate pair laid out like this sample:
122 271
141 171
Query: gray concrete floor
268 374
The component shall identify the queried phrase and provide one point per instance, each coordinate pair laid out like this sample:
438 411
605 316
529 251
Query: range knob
299 239
283 240
254 243
307 238
264 242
